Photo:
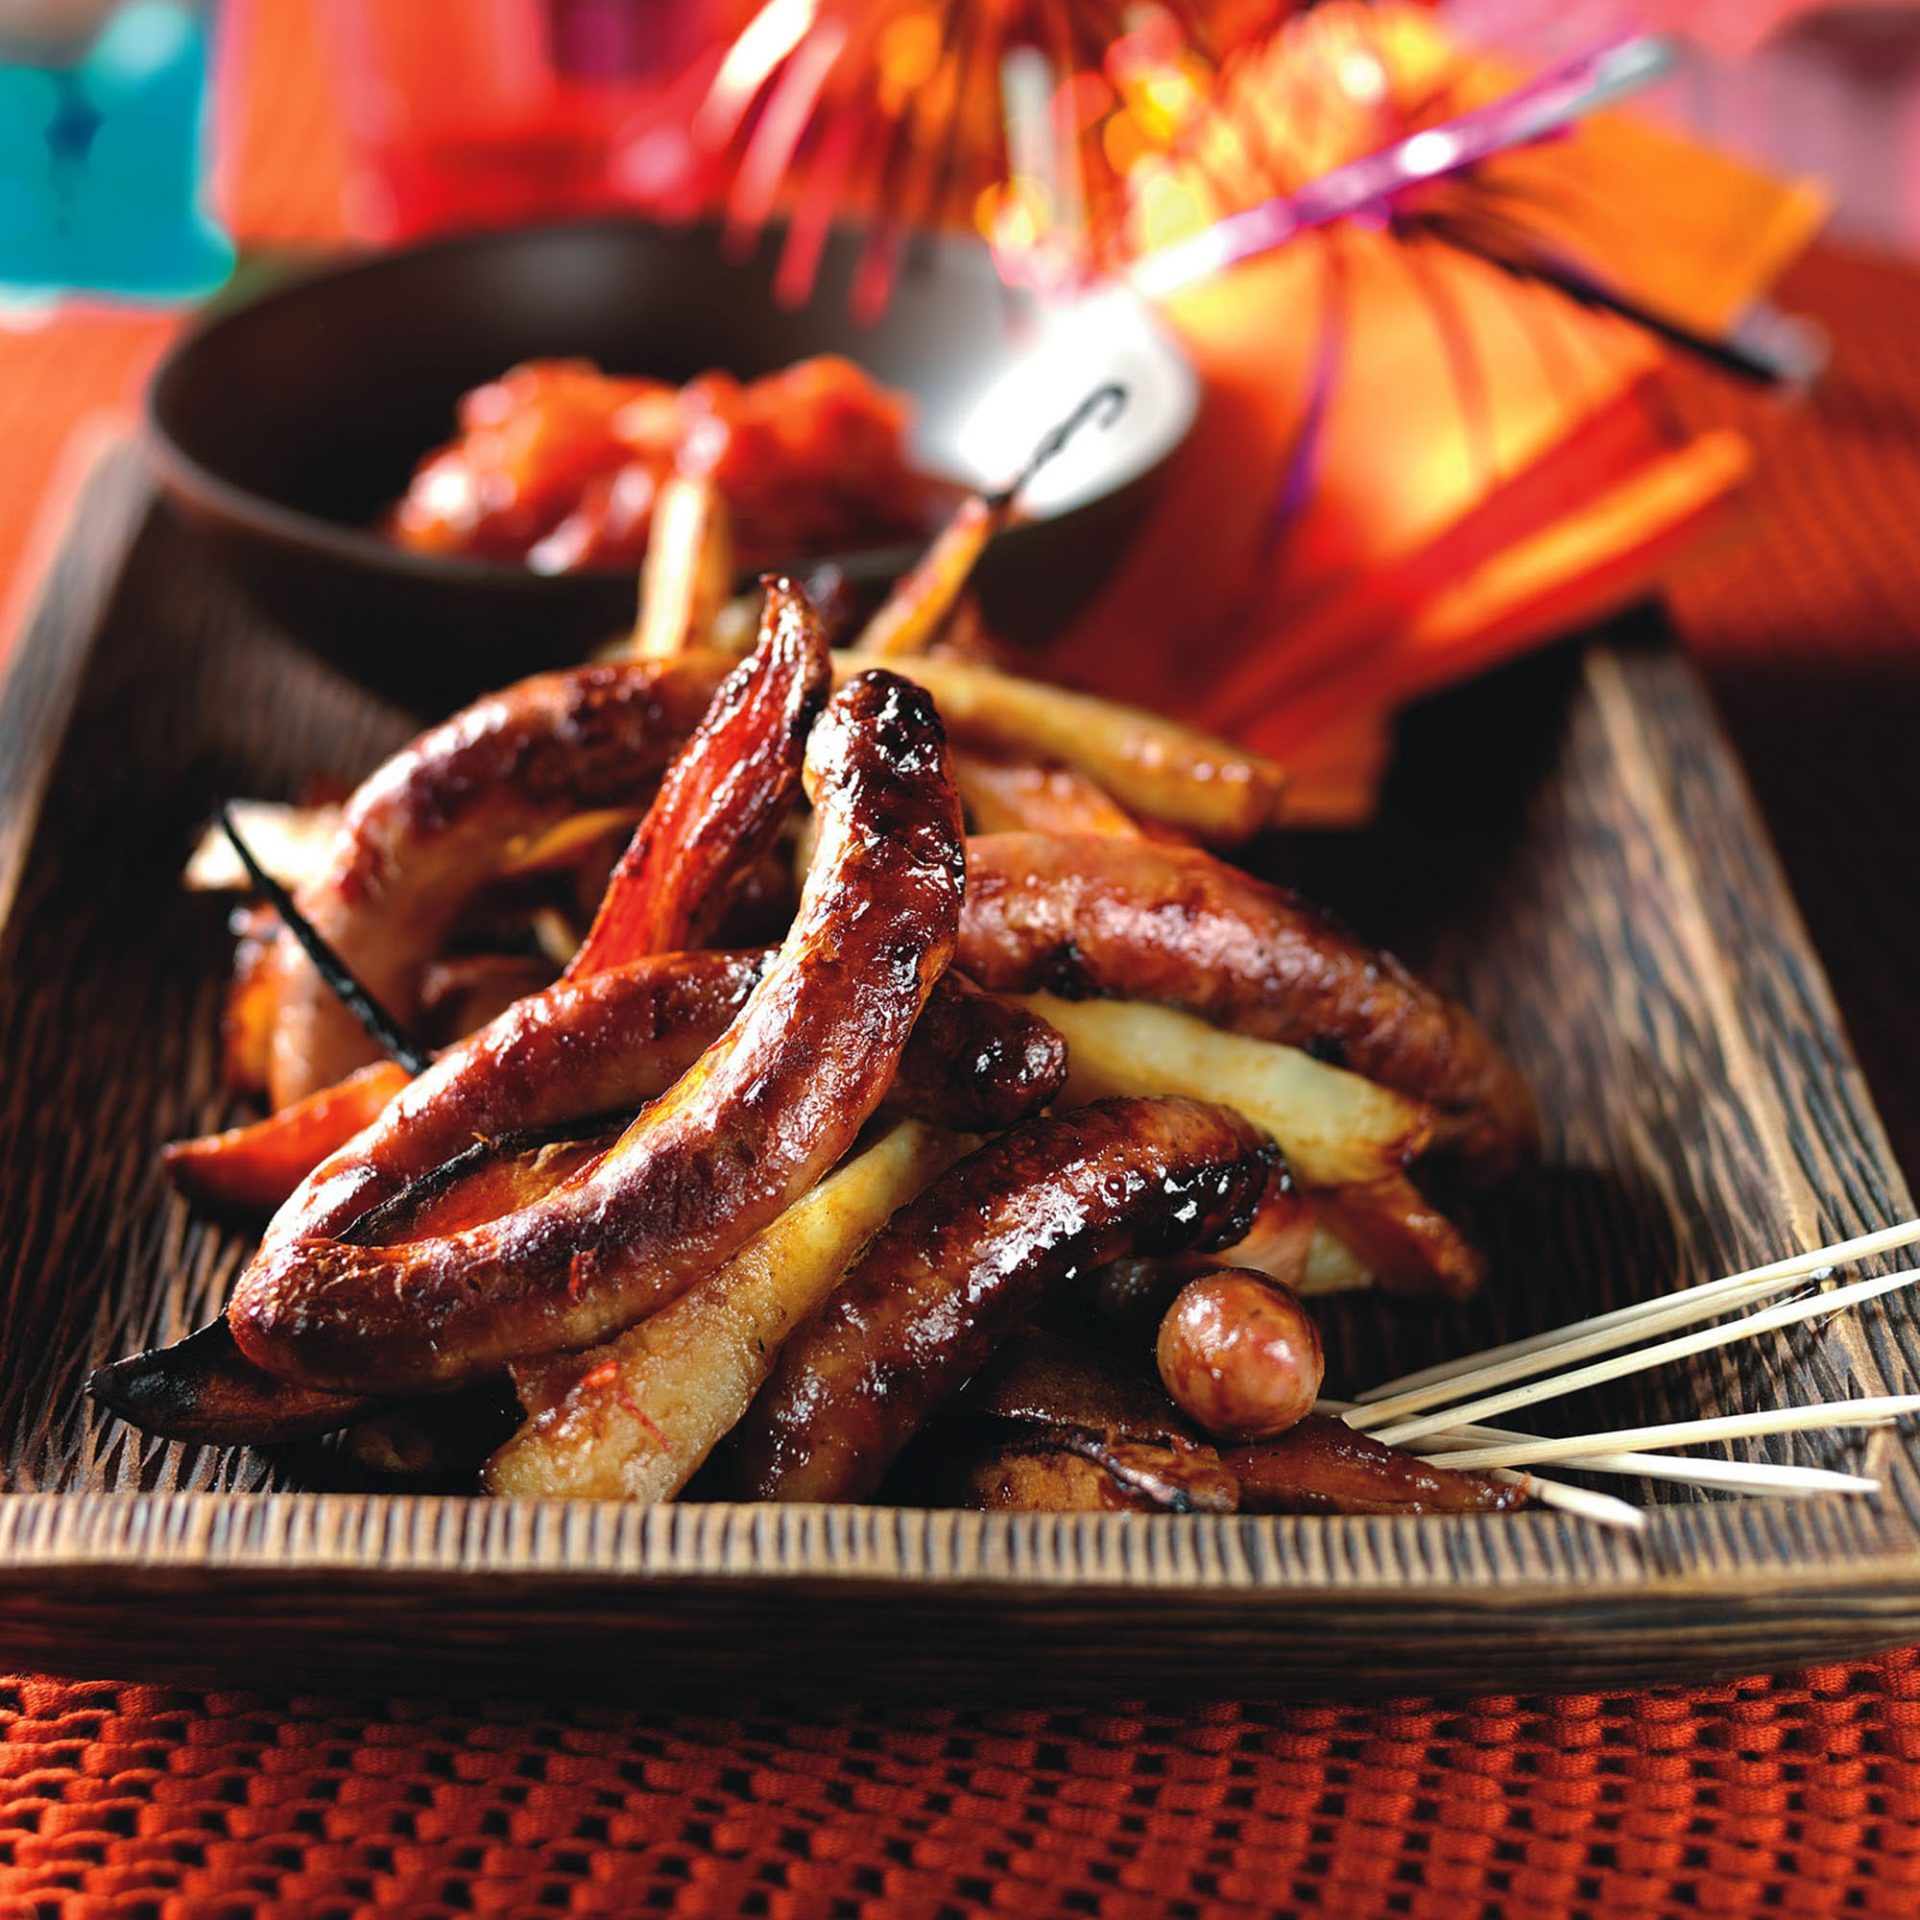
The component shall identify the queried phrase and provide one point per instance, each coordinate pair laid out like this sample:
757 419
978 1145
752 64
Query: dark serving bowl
282 426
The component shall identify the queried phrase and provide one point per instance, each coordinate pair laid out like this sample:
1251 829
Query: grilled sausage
1089 914
1240 1355
435 823
952 1273
765 1111
1324 1466
975 1064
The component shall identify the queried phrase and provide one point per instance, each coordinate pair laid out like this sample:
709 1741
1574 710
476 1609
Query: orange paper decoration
1409 462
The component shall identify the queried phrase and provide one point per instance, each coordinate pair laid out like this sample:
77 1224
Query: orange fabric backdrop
1799 1796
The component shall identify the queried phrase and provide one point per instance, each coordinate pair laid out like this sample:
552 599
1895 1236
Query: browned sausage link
977 1063
1323 1466
723 799
951 1274
766 1110
1089 914
580 1048
1240 1355
432 826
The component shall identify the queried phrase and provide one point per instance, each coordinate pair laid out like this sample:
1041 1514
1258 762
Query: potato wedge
290 842
689 568
1067 1471
1333 1267
1334 1127
1155 768
634 1419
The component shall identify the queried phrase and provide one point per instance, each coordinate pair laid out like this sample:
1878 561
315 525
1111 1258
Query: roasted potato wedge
1403 1239
1029 796
290 842
1334 1127
634 1419
1071 1471
1332 1266
914 612
1155 768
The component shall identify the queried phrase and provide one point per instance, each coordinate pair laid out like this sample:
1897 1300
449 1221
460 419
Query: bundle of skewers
757 1067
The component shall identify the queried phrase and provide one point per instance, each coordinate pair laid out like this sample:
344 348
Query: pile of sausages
1087 1303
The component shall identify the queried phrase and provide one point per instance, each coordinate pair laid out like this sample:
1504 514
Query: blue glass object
103 121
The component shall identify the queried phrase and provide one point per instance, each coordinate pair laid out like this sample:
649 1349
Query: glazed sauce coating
954 1272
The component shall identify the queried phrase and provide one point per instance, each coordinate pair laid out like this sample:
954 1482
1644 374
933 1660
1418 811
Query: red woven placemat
1794 1796
1797 1796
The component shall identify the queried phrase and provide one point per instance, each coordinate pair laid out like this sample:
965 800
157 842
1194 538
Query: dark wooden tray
1570 848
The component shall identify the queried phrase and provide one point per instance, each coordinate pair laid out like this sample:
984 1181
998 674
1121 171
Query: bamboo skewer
1585 1501
1719 1476
1408 1394
1791 1313
1871 1411
1602 1508
1727 1476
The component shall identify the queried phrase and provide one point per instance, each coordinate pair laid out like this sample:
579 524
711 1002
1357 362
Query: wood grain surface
1568 846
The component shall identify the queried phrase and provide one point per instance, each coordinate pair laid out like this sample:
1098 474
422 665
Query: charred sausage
722 800
435 823
952 1273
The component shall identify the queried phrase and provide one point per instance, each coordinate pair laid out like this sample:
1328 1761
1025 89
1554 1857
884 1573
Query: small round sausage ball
1240 1354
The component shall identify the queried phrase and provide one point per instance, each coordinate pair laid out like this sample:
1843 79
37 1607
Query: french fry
1155 768
688 572
917 608
1396 1231
1026 796
634 1419
252 1169
568 841
913 613
1334 1127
